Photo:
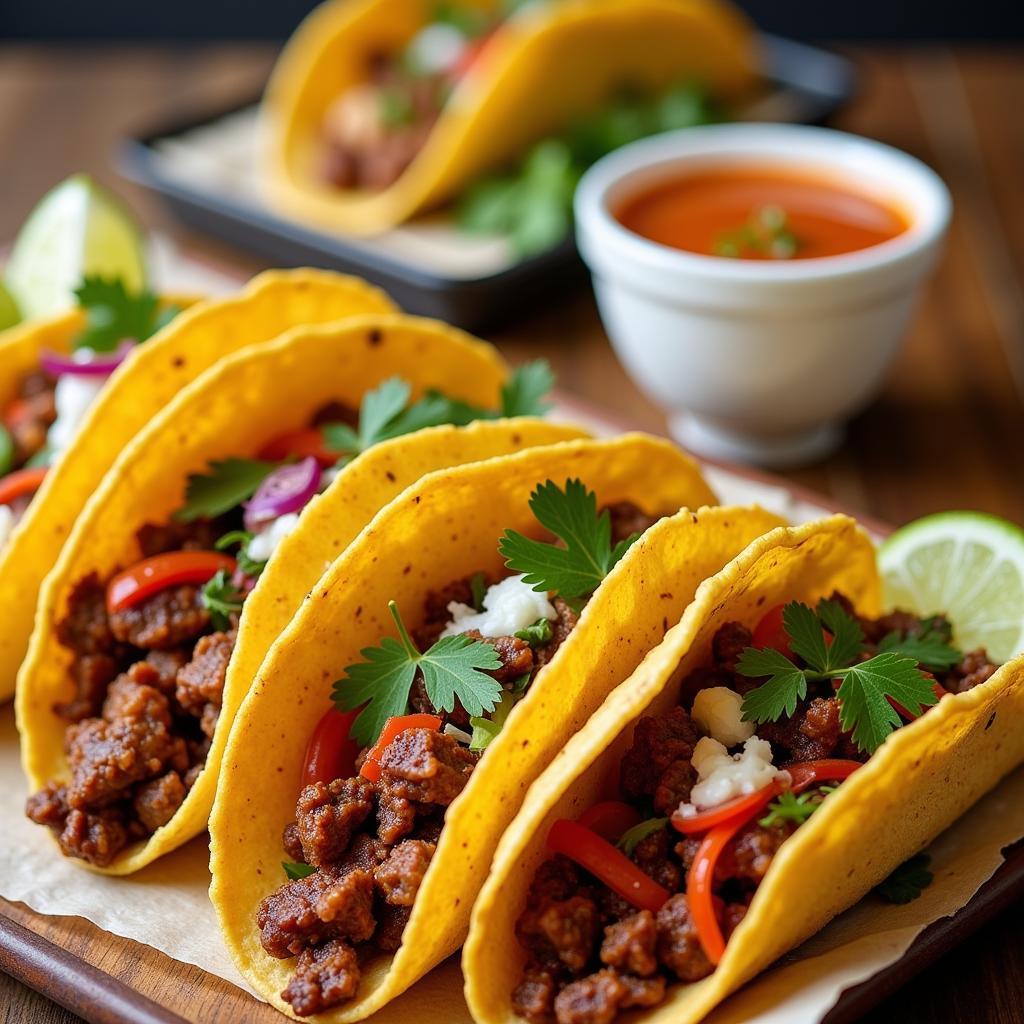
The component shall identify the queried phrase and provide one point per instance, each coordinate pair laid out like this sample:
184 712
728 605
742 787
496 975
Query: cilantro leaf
222 599
526 391
630 839
379 407
577 568
804 628
113 314
786 685
790 806
929 650
847 635
908 881
224 487
295 871
453 669
248 566
486 730
537 634
863 707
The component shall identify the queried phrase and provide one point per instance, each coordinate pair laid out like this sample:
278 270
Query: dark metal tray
807 85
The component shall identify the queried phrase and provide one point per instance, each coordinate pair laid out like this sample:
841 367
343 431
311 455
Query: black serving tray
807 85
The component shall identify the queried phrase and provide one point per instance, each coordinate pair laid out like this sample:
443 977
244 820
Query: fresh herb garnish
486 730
864 707
526 391
766 233
577 568
113 314
794 807
247 565
931 650
227 484
6 451
454 668
908 881
632 838
296 871
222 599
537 634
532 203
478 588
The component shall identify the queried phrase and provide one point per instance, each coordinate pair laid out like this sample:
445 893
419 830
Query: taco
145 645
147 380
782 751
395 764
379 109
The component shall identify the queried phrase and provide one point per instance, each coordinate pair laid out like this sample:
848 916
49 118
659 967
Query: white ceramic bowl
759 361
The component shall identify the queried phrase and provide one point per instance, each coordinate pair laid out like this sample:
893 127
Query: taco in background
379 109
434 670
130 686
781 752
135 393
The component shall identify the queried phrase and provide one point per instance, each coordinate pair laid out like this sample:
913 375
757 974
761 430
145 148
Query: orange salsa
760 213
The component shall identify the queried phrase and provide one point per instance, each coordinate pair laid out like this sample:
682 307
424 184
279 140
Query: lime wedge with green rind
968 565
9 315
77 229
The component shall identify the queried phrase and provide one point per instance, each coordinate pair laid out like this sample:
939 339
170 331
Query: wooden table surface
948 431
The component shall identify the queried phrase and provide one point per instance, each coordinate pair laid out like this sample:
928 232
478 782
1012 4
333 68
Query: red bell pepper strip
610 819
809 773
301 444
771 633
21 482
739 807
606 863
331 752
393 727
154 574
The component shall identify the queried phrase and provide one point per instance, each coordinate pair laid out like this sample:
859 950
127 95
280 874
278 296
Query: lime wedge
9 314
76 229
968 565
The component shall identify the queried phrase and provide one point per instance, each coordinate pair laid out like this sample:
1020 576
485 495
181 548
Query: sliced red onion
286 490
100 364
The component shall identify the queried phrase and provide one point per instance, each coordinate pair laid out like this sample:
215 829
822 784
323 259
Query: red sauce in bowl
760 213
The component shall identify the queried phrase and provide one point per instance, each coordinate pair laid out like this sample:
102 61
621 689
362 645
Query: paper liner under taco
446 527
922 778
232 411
544 67
136 392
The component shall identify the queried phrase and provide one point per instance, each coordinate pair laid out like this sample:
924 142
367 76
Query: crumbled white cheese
509 606
436 48
6 523
718 713
264 544
72 398
722 776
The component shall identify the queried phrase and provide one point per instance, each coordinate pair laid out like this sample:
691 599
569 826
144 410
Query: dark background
275 19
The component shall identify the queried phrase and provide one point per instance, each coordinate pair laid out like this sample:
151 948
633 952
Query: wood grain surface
946 433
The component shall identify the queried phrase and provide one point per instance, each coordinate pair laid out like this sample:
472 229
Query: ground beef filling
371 844
30 415
590 953
148 687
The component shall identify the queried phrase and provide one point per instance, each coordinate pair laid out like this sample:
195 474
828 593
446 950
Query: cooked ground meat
36 413
750 855
516 655
597 998
159 538
652 856
658 742
327 816
166 620
561 627
48 806
399 877
561 933
396 815
336 412
84 628
165 665
156 802
200 683
131 695
426 766
325 975
973 670
628 519
96 838
674 786
92 674
629 944
391 922
292 843
534 997
728 643
812 733
678 946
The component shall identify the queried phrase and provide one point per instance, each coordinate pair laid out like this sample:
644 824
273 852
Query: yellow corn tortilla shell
233 410
137 392
444 528
541 70
921 779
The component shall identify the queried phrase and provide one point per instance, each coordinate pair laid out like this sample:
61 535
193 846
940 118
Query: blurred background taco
782 751
435 669
194 552
379 109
